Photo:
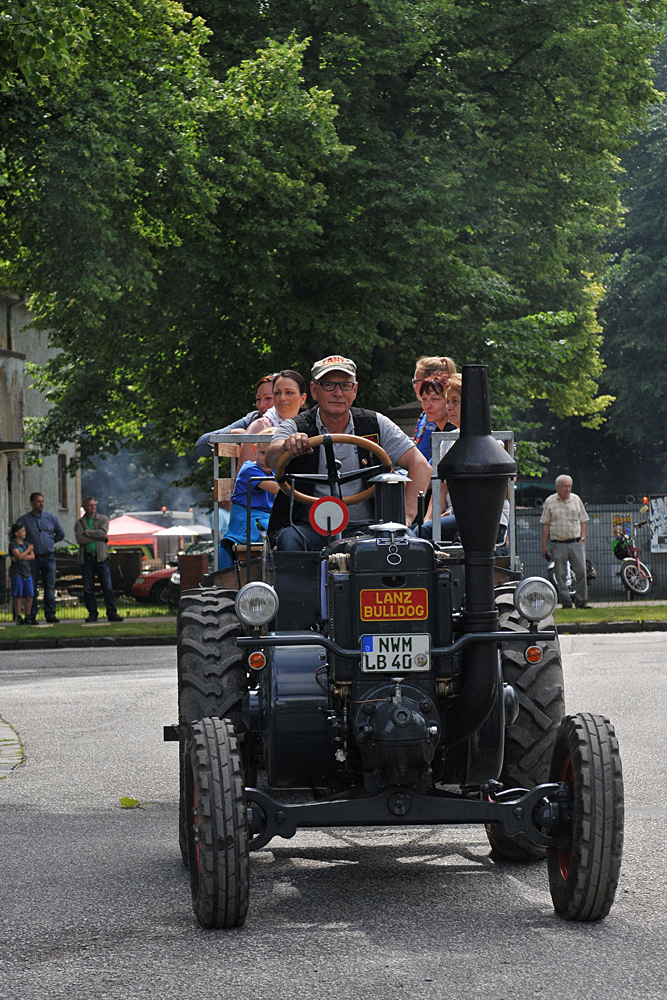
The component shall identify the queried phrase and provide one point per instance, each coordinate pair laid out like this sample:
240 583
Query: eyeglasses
416 381
330 386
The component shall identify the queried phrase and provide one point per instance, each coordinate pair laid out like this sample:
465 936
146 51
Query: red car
152 587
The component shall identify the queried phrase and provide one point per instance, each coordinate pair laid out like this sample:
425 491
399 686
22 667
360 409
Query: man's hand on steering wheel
300 444
297 444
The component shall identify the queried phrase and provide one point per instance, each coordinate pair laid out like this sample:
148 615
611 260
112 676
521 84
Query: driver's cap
334 363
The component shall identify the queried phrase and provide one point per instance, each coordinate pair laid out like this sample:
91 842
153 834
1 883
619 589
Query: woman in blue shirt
426 368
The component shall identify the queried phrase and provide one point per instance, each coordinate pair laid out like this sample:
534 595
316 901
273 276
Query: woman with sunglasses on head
427 368
289 396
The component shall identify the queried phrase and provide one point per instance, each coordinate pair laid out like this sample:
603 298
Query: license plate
403 654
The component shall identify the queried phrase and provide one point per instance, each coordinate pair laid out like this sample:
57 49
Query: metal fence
607 585
126 567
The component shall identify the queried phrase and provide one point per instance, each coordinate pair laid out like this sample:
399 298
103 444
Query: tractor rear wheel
212 679
583 878
530 738
216 819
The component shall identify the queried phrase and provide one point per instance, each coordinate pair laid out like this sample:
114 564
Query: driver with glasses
334 389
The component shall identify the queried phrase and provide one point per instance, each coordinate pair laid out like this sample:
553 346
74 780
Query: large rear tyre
584 878
216 824
212 679
529 740
636 579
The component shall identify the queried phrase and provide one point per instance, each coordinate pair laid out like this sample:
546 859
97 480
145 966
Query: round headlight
256 603
535 598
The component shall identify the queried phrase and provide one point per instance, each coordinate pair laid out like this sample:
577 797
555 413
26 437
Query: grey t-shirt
392 439
22 567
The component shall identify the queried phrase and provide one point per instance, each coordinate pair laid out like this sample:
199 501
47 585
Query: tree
39 41
145 199
460 205
634 310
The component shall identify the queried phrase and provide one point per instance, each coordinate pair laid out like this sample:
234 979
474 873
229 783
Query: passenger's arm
204 448
419 472
269 487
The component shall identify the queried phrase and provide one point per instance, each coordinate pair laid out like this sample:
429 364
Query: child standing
20 553
261 502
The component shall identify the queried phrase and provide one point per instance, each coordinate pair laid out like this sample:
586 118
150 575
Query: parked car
198 548
152 586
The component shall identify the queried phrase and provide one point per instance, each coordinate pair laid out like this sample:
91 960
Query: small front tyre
583 878
636 578
216 822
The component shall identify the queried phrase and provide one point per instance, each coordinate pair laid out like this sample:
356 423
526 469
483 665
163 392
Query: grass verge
146 628
630 612
130 628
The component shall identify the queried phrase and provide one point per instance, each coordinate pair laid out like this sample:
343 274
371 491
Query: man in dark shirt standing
43 530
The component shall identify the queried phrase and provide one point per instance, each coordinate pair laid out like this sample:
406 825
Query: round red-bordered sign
331 508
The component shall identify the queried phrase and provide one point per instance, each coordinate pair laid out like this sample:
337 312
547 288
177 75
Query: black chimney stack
476 469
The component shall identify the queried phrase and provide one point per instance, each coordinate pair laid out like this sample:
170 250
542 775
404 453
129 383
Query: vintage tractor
389 681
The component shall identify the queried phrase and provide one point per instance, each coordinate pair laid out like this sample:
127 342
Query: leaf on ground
129 803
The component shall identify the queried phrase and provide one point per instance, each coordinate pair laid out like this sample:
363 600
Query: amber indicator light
533 654
257 661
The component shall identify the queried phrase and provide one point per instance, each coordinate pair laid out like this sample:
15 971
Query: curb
571 628
593 628
88 643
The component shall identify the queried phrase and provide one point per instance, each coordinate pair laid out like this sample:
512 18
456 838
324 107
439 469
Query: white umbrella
177 530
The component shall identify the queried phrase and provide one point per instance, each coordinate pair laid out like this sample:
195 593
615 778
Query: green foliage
384 179
40 41
634 310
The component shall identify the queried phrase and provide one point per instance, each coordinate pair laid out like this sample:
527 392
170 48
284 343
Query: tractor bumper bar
313 639
530 812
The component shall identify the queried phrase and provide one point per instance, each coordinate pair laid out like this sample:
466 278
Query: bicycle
635 575
571 576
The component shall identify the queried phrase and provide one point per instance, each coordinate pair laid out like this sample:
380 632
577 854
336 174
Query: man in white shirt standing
564 518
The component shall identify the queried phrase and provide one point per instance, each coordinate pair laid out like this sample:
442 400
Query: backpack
621 548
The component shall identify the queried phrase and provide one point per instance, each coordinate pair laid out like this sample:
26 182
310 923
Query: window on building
62 482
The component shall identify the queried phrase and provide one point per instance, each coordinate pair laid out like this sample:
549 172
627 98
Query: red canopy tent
126 530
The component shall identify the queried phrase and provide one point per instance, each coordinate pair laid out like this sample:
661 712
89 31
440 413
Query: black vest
365 425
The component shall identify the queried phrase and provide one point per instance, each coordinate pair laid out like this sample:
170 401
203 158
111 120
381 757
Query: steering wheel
334 475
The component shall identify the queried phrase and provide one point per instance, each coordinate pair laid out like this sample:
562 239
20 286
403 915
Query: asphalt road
95 901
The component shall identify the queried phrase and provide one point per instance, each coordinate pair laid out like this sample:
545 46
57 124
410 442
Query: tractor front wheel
216 820
583 877
212 678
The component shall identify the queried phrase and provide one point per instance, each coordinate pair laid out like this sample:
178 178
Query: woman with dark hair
433 398
289 396
426 369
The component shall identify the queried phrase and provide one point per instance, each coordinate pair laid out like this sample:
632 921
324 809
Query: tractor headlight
535 598
256 603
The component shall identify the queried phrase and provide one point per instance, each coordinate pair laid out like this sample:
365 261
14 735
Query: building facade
21 343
